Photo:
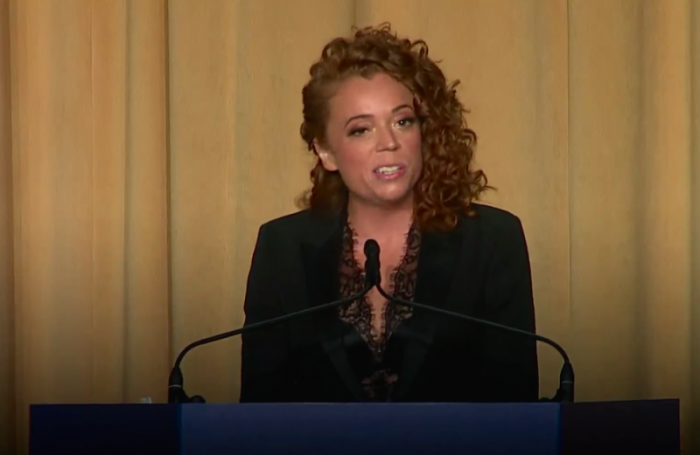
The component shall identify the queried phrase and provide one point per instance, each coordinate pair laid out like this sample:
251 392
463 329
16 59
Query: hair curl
447 185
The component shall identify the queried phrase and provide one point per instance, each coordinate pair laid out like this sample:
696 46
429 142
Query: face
374 140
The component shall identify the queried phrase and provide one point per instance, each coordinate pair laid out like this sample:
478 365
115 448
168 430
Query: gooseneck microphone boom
565 394
176 390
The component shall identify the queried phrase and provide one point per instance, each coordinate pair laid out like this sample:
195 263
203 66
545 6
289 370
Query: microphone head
372 249
372 276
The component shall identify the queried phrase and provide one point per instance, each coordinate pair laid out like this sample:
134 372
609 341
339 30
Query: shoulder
284 227
494 222
297 226
291 221
496 234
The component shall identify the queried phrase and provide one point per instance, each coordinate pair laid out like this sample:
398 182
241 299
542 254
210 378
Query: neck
372 221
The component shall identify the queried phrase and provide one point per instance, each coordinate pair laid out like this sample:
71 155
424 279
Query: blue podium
634 427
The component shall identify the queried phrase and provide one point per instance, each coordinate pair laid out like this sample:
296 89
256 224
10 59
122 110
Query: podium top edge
397 404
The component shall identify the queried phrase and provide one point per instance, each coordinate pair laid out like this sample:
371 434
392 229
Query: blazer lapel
437 263
321 255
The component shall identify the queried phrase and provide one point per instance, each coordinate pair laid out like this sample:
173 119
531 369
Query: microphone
372 275
176 389
565 394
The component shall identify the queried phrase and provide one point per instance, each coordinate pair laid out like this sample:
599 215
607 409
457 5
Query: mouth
390 171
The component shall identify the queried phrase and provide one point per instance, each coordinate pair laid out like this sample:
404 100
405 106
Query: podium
634 427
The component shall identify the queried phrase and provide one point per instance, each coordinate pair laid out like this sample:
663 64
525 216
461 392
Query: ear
327 157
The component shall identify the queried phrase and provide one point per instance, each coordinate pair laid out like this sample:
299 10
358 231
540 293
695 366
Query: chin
394 199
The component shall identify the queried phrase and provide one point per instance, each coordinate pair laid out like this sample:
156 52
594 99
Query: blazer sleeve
263 351
510 361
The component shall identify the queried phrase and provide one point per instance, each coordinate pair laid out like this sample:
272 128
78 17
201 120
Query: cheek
351 158
414 144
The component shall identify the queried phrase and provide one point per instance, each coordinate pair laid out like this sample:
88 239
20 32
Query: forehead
374 95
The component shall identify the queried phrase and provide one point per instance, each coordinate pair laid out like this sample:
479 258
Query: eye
357 131
407 121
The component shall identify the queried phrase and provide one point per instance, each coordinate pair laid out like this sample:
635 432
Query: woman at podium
393 164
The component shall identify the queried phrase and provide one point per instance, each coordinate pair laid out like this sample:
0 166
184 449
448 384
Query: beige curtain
143 142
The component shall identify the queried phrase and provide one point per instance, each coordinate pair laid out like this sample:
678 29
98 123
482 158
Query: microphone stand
176 390
565 394
177 394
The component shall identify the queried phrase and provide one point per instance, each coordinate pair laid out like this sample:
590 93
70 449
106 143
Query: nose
386 139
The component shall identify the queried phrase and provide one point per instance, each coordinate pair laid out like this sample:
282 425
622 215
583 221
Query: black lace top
378 384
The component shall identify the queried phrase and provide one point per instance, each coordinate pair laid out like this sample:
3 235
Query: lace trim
401 284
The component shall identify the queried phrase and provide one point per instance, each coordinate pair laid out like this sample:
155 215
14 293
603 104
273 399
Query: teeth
388 169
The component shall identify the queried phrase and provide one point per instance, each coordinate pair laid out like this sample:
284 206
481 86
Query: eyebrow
396 109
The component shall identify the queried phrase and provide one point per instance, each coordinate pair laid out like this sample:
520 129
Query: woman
394 165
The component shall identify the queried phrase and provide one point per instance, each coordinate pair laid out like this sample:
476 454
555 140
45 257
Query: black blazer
481 268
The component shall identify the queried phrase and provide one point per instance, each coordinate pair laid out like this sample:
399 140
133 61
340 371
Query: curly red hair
447 185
